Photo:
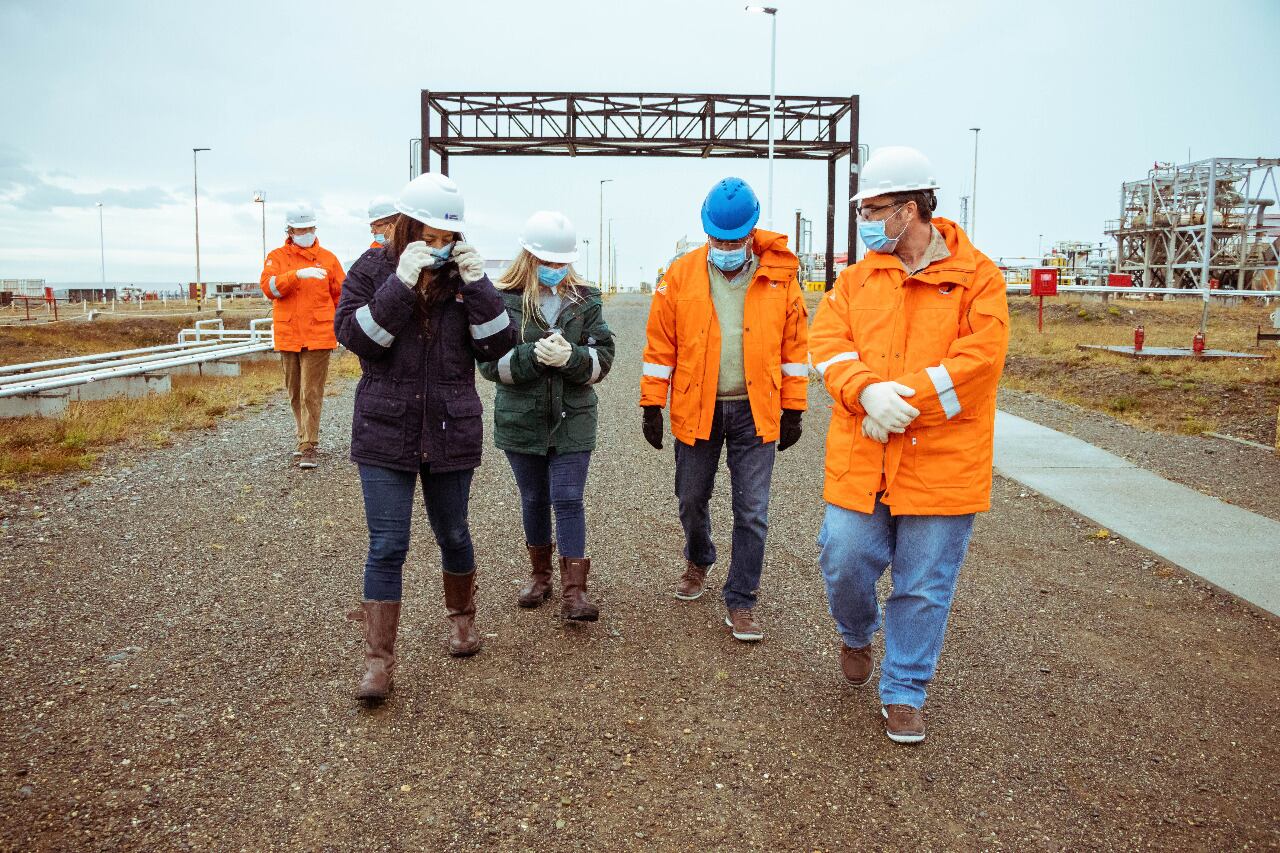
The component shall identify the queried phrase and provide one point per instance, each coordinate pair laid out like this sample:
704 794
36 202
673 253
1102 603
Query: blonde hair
522 276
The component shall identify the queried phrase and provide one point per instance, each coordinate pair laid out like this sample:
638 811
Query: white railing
1064 290
208 341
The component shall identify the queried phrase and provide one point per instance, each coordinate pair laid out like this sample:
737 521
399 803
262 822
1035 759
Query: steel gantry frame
617 124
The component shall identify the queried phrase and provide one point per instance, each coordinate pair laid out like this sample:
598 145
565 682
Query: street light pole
102 252
261 198
601 244
611 254
586 251
973 195
195 185
772 12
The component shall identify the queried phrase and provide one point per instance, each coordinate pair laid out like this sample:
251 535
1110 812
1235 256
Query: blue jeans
926 552
388 510
750 474
555 480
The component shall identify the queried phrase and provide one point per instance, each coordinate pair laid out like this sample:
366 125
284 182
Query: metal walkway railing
208 341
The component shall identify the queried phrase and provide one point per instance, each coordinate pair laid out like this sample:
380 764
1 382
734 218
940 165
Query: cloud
24 188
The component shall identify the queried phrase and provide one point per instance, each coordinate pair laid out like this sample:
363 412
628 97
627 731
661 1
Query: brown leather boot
693 582
379 621
460 604
538 589
573 590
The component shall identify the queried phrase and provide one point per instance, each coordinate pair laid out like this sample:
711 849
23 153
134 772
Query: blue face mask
728 259
440 255
551 277
874 237
380 239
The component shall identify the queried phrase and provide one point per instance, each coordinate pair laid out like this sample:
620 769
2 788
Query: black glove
791 430
653 426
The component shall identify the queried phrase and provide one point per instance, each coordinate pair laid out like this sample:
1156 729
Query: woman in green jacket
545 408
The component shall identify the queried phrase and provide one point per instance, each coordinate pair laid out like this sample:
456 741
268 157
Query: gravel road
177 676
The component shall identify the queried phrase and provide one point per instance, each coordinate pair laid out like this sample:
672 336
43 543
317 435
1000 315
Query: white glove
553 351
883 402
414 257
312 272
872 428
470 264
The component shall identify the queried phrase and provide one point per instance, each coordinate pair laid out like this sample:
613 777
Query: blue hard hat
731 210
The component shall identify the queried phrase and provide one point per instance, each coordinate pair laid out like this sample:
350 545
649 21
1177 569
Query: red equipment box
1044 282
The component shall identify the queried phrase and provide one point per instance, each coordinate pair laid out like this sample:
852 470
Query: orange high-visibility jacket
302 308
942 332
682 354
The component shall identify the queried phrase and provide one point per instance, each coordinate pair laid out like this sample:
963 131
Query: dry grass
35 446
1239 397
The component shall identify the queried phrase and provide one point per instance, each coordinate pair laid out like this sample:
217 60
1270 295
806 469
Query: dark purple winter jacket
416 403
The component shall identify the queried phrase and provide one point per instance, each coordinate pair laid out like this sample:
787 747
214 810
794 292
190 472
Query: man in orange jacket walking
303 282
910 343
727 340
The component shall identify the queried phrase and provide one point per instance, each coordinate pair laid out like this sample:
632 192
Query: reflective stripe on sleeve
370 327
497 324
271 283
595 366
792 368
946 390
504 368
657 371
835 359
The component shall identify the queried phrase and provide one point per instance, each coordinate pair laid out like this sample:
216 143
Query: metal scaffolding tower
1186 226
611 124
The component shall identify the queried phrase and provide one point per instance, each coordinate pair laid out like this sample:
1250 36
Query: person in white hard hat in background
910 343
382 216
419 314
304 283
544 413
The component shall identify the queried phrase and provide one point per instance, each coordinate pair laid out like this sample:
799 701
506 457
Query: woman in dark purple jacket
418 312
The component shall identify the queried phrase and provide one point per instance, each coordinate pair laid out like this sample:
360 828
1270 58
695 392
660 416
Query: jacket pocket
465 431
378 427
517 419
841 436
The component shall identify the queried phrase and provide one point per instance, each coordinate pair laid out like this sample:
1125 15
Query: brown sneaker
744 625
308 458
857 664
693 582
903 724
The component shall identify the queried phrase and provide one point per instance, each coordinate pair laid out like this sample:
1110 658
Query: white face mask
306 241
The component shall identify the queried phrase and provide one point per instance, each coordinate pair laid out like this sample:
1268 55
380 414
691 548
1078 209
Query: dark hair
926 202
434 286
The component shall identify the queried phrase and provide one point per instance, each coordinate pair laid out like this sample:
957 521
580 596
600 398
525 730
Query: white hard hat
382 207
550 236
300 217
433 200
895 169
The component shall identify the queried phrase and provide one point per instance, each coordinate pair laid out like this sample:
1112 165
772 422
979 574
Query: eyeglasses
864 211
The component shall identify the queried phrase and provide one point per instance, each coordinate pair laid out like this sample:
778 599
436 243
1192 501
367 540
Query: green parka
538 407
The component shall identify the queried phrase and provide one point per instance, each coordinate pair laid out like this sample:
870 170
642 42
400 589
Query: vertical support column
855 169
831 223
424 150
1210 203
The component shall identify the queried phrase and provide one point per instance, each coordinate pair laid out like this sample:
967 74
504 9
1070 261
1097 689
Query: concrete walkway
1232 548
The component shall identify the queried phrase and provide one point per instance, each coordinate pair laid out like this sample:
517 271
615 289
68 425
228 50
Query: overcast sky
317 101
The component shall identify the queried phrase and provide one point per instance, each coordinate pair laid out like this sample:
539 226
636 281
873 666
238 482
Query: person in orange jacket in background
303 282
382 219
910 343
727 338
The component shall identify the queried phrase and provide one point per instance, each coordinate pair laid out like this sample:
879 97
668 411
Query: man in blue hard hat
728 344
